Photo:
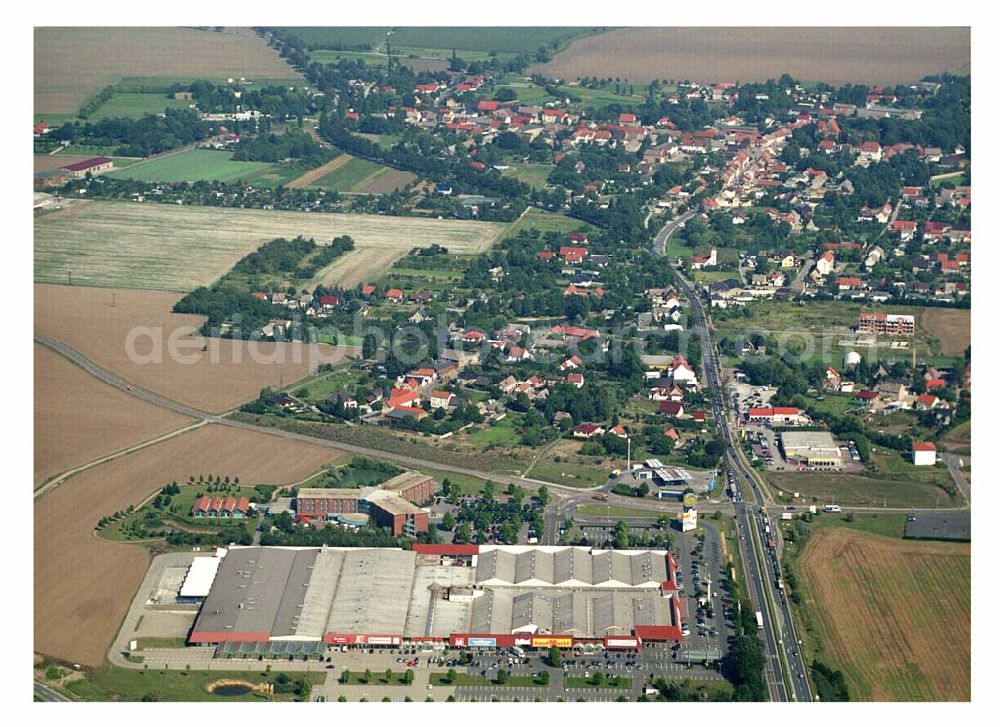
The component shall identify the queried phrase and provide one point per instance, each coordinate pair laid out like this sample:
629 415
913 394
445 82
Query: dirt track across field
313 174
712 55
83 585
894 615
79 419
100 323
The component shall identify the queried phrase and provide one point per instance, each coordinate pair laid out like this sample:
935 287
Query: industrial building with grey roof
445 593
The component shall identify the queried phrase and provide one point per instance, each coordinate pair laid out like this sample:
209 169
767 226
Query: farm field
385 180
84 319
72 64
345 176
407 40
834 55
170 247
79 419
952 327
136 105
83 585
879 607
193 165
314 174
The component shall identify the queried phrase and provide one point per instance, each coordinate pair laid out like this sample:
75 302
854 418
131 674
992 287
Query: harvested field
951 326
171 247
834 55
84 319
72 64
79 419
313 174
893 615
83 585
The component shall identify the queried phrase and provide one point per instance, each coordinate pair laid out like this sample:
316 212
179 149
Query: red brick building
393 504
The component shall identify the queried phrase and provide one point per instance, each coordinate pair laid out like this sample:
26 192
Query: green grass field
712 276
535 175
333 56
349 176
194 165
503 433
599 97
135 105
385 141
543 222
834 404
573 474
845 488
111 683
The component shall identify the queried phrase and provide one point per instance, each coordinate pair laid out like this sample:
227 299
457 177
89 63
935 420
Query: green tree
555 657
543 496
448 521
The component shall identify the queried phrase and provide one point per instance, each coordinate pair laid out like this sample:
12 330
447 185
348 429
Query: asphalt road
47 694
204 417
782 653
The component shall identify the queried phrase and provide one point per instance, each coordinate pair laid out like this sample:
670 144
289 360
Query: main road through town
784 667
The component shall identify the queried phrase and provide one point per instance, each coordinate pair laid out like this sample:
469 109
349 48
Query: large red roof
445 549
86 164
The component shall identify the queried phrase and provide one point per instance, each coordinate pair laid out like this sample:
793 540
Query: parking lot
702 580
939 526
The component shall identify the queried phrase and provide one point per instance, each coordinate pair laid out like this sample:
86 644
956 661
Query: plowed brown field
79 419
893 615
72 64
84 319
711 55
83 585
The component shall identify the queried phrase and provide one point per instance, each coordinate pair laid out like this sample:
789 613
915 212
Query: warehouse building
463 595
94 165
815 449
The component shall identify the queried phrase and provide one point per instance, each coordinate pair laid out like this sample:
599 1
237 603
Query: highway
781 648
